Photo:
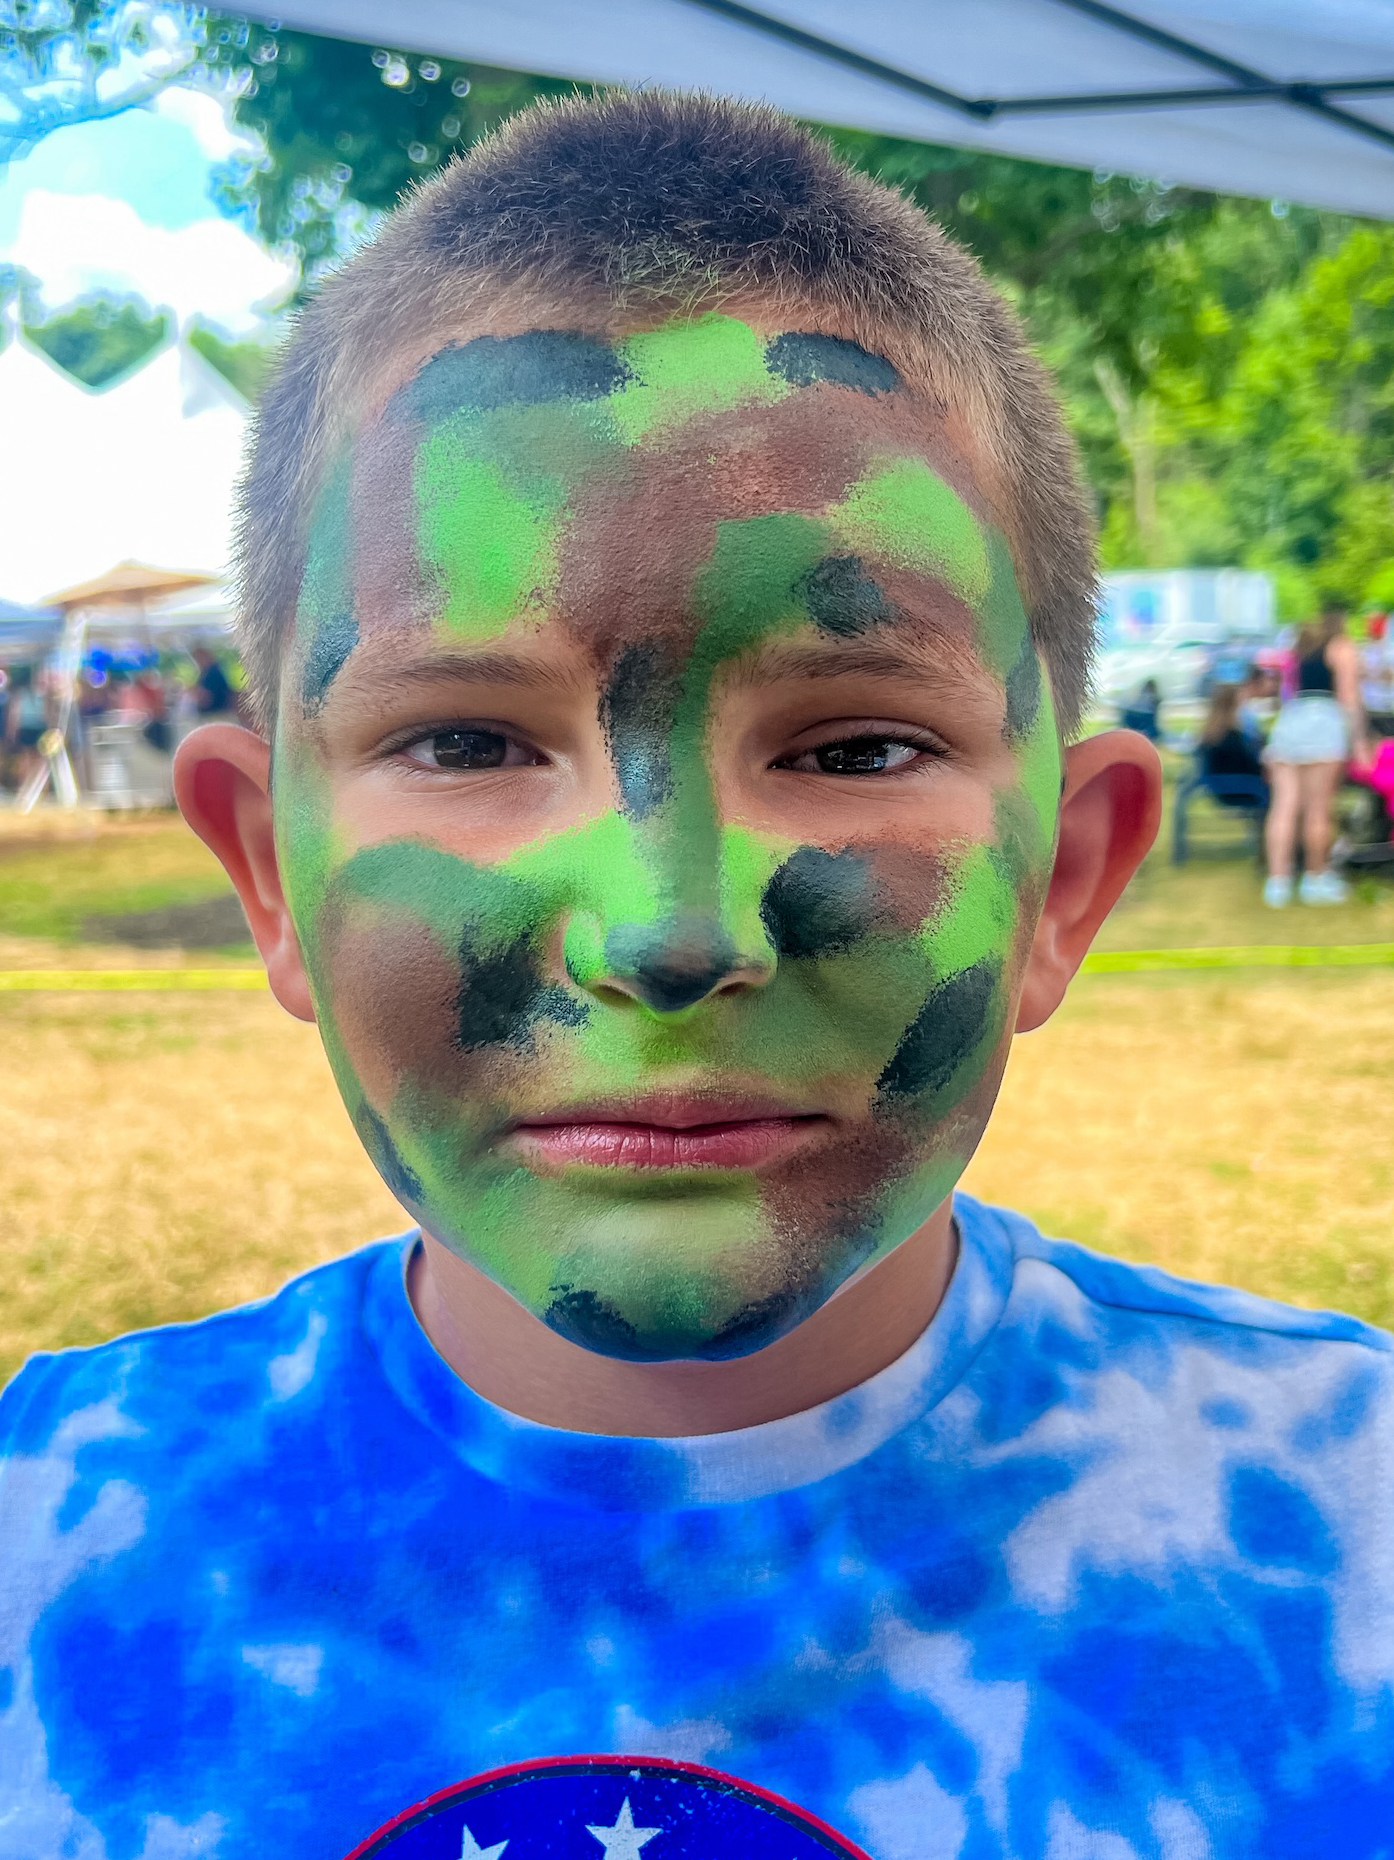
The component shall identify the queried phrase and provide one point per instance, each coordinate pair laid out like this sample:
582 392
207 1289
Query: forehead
613 484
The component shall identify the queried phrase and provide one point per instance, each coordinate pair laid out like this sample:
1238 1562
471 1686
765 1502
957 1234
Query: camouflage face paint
671 507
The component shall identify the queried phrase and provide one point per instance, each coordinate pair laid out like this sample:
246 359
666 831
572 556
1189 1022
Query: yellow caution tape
166 980
1252 956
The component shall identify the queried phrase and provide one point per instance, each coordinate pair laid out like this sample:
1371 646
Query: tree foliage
69 61
246 365
1225 364
347 128
99 339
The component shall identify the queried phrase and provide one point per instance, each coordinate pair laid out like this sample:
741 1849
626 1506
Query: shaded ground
75 888
212 923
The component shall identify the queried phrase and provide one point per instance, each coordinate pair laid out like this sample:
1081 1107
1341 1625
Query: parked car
1173 628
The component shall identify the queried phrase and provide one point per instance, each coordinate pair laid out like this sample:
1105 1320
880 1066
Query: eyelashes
468 749
869 753
478 748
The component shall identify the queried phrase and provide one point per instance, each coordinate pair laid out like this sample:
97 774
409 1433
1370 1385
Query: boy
667 593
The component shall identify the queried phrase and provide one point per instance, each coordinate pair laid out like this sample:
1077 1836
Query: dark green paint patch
1023 692
671 966
818 903
752 580
842 598
637 708
583 1317
944 1034
502 996
334 639
511 371
756 1325
803 360
373 1134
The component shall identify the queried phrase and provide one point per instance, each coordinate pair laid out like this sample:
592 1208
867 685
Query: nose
665 930
674 965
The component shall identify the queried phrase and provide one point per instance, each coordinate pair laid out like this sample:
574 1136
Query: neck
512 1358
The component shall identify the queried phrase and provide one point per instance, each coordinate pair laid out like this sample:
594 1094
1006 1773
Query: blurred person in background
1377 675
152 701
1225 747
213 692
91 703
1316 730
1256 705
1142 713
26 719
93 695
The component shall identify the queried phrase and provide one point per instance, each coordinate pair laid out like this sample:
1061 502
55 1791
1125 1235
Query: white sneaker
1277 892
1323 888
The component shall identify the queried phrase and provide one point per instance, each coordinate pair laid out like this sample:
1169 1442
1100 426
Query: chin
586 1317
653 1303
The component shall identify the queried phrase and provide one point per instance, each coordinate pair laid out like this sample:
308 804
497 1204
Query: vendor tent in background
27 631
1276 98
133 605
145 467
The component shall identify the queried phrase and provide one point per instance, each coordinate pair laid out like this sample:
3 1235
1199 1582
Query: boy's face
666 784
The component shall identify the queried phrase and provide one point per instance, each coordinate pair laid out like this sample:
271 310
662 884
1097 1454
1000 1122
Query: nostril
668 988
672 968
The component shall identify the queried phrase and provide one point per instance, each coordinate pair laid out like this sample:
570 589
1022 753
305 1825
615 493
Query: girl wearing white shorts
1317 729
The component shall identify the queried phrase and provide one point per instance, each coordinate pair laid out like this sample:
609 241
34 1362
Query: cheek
393 994
409 1013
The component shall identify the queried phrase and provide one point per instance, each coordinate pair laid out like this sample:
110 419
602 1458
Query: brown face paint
671 506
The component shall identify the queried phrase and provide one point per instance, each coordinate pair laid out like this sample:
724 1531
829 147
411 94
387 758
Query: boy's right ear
222 782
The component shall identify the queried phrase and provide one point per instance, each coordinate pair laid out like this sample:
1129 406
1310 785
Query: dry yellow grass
1235 1128
166 1155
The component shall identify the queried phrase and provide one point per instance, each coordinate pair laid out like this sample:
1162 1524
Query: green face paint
671 507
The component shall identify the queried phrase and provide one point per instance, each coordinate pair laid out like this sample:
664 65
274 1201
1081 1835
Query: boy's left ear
222 782
1109 815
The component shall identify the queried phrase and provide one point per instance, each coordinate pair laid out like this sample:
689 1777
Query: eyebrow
489 668
861 661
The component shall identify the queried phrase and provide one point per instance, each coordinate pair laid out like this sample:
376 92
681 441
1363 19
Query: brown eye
469 749
857 755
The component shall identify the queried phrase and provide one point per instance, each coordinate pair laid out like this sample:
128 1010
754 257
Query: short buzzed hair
651 202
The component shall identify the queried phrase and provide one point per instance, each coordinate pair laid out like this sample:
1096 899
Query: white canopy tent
1289 99
145 468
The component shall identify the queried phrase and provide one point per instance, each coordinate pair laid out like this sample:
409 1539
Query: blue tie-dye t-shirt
1101 1569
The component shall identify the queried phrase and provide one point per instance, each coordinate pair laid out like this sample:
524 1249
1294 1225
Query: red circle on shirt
719 1788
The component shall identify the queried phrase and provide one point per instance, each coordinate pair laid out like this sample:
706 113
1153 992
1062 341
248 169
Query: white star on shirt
471 1850
623 1841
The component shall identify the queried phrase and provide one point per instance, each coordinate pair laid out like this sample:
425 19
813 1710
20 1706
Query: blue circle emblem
605 1808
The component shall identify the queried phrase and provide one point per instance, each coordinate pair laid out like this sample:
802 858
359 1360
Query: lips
664 1133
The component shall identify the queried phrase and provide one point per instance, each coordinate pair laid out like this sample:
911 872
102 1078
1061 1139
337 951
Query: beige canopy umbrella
129 586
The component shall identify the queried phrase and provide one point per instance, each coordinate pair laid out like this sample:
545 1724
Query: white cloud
75 243
205 115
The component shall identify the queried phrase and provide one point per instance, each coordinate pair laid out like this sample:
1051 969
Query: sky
123 205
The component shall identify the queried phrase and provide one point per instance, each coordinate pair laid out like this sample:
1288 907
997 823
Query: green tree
346 128
1300 442
246 364
99 339
1224 364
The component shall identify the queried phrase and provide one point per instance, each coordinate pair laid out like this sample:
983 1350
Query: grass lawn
168 1154
57 876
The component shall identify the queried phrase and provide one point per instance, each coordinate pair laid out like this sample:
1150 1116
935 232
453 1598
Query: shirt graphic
1102 1568
565 1809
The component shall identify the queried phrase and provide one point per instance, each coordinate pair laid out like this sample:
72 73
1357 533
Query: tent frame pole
1246 85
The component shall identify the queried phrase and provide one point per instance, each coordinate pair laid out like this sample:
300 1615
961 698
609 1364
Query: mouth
665 1133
